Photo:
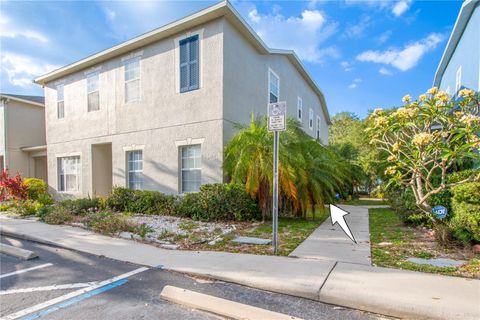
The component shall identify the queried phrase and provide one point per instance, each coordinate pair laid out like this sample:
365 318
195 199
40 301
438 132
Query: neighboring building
155 112
460 64
22 135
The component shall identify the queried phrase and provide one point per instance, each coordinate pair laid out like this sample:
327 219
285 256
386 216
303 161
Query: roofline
9 97
463 18
218 10
34 148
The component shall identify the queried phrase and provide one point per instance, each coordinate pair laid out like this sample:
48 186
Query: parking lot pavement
64 284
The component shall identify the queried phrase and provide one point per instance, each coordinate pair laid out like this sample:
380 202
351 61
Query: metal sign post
277 113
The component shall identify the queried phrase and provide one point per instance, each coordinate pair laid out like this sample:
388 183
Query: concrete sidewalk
393 292
329 242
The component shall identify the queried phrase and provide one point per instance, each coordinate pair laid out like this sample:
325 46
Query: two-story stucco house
460 64
22 135
155 112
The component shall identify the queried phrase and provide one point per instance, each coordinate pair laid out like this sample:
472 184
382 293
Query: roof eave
37 104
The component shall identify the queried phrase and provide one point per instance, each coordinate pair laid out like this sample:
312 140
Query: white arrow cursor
336 215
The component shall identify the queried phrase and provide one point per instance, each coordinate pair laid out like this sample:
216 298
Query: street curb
17 252
219 306
31 238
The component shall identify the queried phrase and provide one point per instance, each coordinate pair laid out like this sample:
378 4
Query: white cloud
110 13
397 8
357 80
347 66
401 7
357 30
21 69
352 86
406 58
9 30
283 32
382 38
385 72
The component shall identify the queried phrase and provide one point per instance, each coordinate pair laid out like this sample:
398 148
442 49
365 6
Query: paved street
135 297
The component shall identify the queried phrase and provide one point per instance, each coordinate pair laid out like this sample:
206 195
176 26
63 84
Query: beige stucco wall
25 127
246 85
162 120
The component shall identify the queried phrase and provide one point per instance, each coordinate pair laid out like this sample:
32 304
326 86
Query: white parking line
25 270
70 295
49 288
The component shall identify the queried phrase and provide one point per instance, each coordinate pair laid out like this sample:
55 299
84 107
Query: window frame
64 179
311 116
128 171
188 40
125 63
182 169
97 90
270 74
60 88
299 109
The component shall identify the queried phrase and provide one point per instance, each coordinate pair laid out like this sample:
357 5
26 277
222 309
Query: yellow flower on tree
381 121
433 91
422 97
442 96
466 93
390 171
392 158
407 98
422 139
396 146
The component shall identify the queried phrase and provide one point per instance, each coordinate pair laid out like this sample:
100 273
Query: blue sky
363 54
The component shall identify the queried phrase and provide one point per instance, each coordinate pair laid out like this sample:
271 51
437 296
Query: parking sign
277 116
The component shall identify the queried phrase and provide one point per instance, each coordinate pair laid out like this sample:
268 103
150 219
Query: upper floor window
458 79
132 79
191 168
299 109
69 174
92 92
318 128
273 87
60 102
135 169
189 64
310 119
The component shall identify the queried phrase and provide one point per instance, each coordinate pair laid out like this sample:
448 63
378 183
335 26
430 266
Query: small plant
35 188
27 208
143 229
109 223
56 215
165 234
188 225
81 206
12 188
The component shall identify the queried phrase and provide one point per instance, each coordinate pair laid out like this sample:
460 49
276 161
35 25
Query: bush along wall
465 222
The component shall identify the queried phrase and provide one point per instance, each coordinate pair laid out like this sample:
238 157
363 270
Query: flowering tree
425 138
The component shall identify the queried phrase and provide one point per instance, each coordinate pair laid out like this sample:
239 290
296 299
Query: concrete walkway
329 242
397 293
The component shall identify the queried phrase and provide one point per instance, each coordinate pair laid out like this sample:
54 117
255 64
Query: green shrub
109 223
141 201
225 202
143 229
56 215
27 208
45 199
465 222
462 175
81 206
35 188
5 206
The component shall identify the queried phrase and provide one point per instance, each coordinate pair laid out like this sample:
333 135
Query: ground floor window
191 168
69 174
135 169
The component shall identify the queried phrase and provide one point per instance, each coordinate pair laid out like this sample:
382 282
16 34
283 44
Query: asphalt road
135 297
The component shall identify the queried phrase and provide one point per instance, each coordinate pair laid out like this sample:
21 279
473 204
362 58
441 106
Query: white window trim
299 108
458 79
127 176
180 171
199 33
66 155
311 118
93 73
125 61
133 147
60 84
270 71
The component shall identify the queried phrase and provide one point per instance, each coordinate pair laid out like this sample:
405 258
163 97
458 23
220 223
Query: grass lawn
393 242
364 202
291 232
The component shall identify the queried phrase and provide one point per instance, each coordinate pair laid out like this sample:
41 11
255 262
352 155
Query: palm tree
309 173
